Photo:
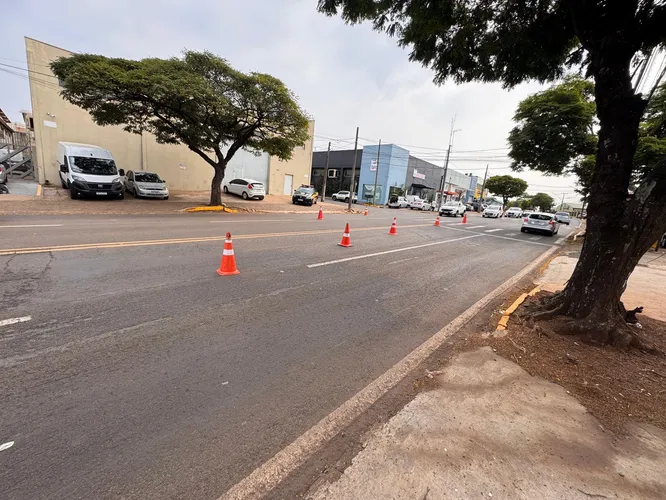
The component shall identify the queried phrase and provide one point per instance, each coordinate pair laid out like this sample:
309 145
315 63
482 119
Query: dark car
305 195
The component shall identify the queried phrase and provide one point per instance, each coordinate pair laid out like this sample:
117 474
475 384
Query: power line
28 70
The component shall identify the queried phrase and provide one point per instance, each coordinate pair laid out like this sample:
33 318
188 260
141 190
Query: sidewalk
490 430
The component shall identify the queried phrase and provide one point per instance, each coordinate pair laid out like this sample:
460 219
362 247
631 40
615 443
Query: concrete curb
267 476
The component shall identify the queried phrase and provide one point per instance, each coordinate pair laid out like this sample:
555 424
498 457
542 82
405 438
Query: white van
88 170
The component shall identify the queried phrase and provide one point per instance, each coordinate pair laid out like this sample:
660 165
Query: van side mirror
121 172
63 169
163 181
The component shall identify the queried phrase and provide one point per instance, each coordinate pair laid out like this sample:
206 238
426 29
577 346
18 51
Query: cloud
345 76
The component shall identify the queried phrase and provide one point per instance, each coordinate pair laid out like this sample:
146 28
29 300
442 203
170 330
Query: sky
345 76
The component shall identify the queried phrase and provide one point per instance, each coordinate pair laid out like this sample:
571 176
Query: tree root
613 332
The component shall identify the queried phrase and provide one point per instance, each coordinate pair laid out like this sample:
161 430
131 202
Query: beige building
57 120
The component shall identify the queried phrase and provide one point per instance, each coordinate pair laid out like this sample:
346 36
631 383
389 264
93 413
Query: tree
543 201
513 41
197 100
506 187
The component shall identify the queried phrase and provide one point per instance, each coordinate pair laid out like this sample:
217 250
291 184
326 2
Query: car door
235 186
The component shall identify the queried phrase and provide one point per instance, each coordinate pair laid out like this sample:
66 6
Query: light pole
442 183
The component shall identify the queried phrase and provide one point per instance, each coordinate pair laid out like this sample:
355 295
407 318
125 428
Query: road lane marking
252 220
521 240
7 445
535 238
493 230
512 234
272 472
13 321
475 227
31 225
395 250
173 241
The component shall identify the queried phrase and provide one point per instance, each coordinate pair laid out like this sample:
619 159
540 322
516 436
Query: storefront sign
373 165
418 176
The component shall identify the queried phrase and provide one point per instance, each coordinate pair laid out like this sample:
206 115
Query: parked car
420 204
514 212
305 195
563 217
469 207
452 209
493 211
3 174
245 188
343 196
146 184
540 222
88 170
397 202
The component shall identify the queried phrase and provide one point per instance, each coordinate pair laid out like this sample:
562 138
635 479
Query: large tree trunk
620 228
216 184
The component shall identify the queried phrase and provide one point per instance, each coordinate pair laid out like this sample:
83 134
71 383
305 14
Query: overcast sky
345 76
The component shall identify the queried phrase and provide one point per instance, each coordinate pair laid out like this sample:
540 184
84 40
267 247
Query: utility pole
351 190
562 203
374 191
442 183
328 156
483 188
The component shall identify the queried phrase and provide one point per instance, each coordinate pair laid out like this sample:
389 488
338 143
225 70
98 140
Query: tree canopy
198 100
506 186
544 201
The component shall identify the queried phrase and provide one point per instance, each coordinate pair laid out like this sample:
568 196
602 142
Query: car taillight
550 222
525 219
249 186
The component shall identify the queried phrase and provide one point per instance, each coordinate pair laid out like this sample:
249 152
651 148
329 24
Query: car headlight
77 178
116 180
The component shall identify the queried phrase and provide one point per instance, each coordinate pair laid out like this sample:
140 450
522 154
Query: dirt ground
615 385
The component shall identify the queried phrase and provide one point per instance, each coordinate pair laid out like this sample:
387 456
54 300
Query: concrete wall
57 120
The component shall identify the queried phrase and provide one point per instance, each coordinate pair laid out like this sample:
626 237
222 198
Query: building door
288 184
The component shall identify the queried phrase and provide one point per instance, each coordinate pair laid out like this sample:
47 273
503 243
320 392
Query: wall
299 166
397 174
433 176
342 161
183 169
367 175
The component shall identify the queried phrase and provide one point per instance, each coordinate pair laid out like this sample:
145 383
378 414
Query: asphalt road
137 372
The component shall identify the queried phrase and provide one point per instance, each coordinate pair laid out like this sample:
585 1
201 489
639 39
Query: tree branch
185 140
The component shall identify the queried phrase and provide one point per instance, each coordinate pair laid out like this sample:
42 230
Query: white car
452 209
343 196
397 202
494 211
246 188
420 204
514 212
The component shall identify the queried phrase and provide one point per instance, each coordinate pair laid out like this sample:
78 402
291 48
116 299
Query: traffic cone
321 215
394 227
437 221
366 211
346 240
228 264
464 218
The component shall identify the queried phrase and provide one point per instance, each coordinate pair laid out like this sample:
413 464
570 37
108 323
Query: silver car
563 217
3 174
539 222
146 184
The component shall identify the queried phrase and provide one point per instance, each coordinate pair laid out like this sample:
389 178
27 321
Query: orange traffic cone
346 240
437 221
394 227
228 264
321 215
366 211
464 219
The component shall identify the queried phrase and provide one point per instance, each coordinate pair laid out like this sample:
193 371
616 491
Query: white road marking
395 250
32 225
475 227
267 476
535 237
511 234
7 445
11 321
253 220
493 230
502 237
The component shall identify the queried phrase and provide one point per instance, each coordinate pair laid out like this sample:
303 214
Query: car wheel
261 198
551 234
315 202
523 230
347 200
244 195
73 193
166 197
62 183
225 189
136 193
121 196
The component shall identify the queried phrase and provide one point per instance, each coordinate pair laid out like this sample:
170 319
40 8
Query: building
55 119
396 172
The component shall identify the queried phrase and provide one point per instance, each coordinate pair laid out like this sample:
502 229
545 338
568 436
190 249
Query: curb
512 308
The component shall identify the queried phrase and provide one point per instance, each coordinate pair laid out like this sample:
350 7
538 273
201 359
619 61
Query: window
541 216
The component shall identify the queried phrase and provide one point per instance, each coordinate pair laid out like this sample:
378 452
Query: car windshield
146 177
451 204
514 209
305 191
93 166
494 207
541 216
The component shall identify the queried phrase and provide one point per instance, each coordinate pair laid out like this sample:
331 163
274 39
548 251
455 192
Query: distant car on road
397 202
493 211
452 209
541 223
420 204
245 188
514 212
146 184
563 217
343 196
305 195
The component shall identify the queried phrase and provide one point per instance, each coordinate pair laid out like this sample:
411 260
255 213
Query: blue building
391 173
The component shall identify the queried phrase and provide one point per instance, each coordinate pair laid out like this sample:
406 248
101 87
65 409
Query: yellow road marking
175 241
39 190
